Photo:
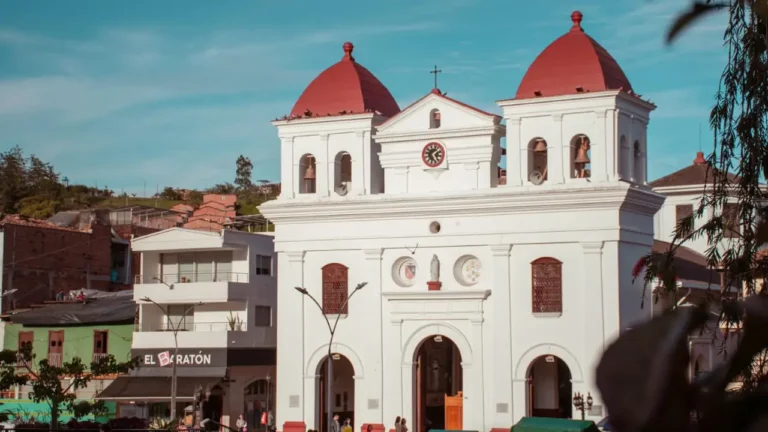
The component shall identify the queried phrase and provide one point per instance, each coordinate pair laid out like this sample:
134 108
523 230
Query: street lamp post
175 329
329 366
582 404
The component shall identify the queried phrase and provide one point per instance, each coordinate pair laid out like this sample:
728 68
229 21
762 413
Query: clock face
433 154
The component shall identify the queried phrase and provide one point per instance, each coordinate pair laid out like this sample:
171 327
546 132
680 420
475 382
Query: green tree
46 380
170 193
222 189
739 120
244 169
13 179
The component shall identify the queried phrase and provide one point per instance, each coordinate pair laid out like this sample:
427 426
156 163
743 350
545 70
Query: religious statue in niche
435 376
434 283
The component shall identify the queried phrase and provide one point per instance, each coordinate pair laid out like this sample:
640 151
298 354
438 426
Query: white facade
402 209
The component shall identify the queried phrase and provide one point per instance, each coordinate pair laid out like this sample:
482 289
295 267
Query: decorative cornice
295 256
373 254
592 247
498 201
437 134
432 295
501 250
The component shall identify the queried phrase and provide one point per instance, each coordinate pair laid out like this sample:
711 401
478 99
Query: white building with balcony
212 297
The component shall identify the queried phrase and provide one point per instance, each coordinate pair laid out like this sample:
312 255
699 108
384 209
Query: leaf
698 11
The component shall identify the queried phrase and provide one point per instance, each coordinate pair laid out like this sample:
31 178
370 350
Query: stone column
374 381
502 330
594 329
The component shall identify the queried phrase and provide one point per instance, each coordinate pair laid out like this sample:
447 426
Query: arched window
537 160
625 159
343 173
547 285
434 119
307 174
638 157
580 157
335 289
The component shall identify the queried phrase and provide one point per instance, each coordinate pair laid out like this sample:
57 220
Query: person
347 427
397 424
270 421
403 427
335 425
241 424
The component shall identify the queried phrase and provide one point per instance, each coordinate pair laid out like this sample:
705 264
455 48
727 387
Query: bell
581 156
309 174
541 146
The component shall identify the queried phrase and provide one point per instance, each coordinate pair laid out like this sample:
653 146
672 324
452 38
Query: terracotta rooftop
689 264
574 63
699 173
15 219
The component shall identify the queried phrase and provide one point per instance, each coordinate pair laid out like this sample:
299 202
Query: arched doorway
343 388
259 397
437 374
549 388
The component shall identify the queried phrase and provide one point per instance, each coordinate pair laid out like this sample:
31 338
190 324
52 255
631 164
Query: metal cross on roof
435 71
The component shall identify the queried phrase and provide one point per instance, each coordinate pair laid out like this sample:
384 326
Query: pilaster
474 408
291 371
292 165
558 153
594 328
361 168
502 348
600 148
517 159
325 168
374 382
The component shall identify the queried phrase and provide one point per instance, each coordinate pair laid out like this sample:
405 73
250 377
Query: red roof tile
345 87
699 173
574 63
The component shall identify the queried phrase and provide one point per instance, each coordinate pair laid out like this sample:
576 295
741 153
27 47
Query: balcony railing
54 359
192 278
190 326
99 356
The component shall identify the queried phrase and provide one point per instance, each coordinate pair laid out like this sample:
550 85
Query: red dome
574 63
345 87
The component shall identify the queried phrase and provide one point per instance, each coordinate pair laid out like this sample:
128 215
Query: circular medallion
468 270
433 154
405 271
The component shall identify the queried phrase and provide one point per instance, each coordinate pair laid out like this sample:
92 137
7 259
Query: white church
489 294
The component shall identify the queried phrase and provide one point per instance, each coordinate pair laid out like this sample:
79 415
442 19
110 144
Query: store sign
184 357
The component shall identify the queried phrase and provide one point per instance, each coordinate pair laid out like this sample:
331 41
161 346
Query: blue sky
171 92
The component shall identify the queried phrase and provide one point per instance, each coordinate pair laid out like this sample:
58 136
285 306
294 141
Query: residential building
484 301
59 332
40 259
213 293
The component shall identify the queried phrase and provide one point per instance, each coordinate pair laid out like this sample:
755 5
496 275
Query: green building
62 331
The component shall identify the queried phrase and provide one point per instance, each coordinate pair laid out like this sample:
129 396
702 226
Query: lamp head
361 285
301 290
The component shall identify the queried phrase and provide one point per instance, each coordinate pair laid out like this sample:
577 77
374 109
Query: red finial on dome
348 47
576 17
699 159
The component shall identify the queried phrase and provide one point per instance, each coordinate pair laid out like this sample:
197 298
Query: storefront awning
148 389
